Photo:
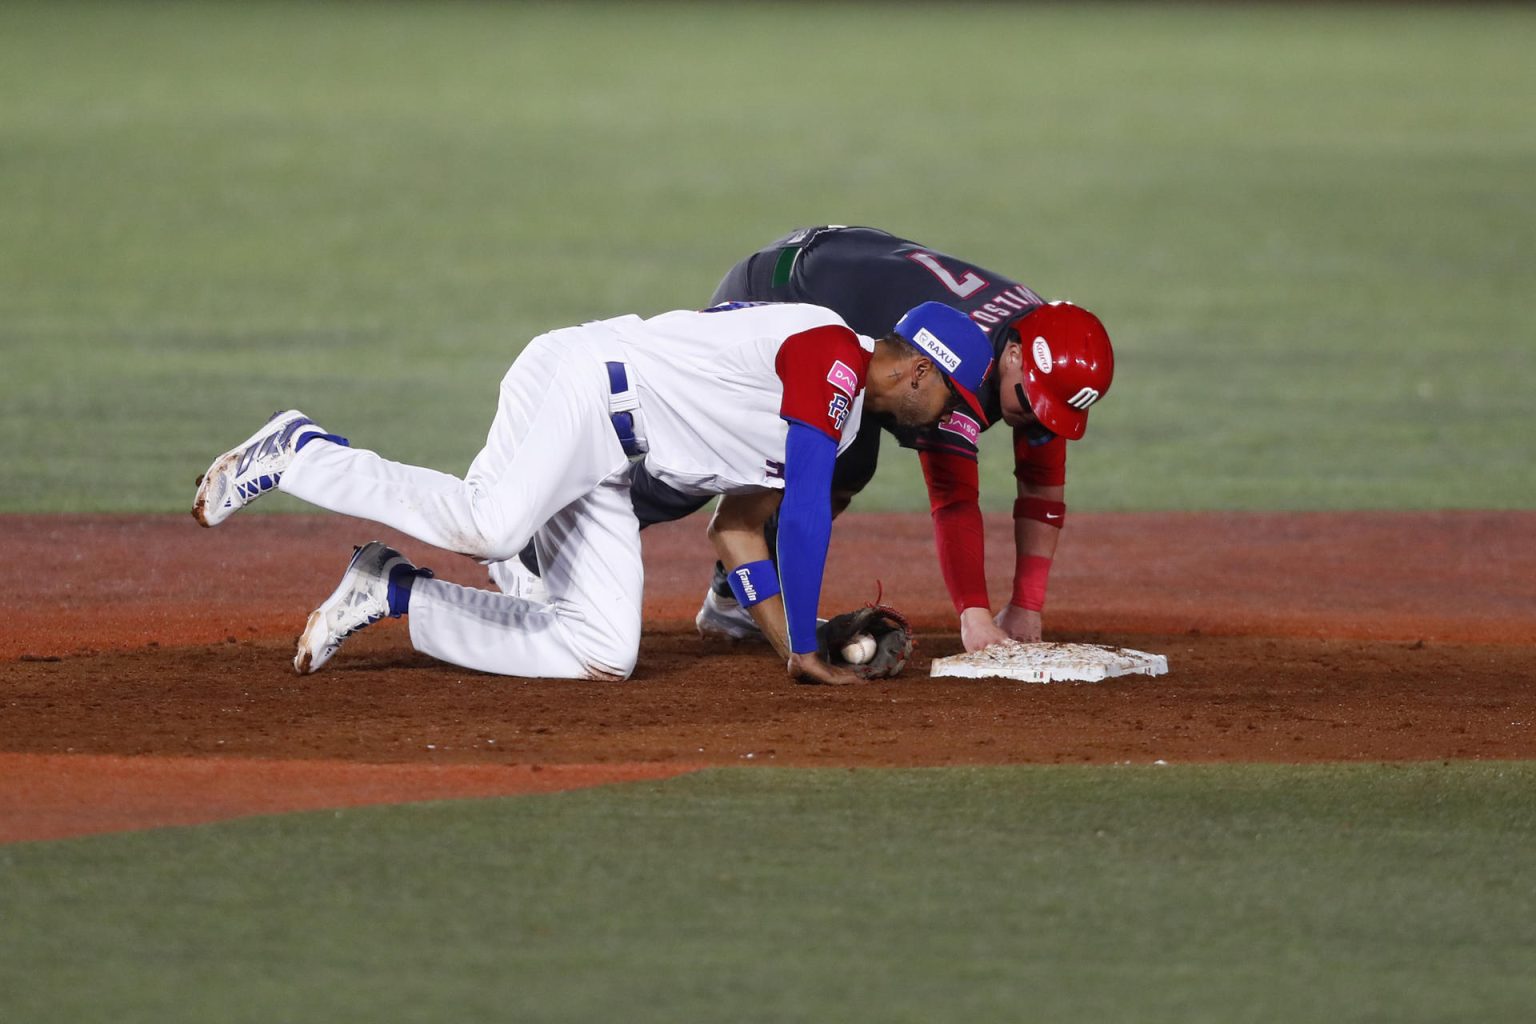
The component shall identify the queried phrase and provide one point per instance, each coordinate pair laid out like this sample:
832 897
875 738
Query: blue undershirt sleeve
805 527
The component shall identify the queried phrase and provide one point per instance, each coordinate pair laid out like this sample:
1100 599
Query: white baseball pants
553 471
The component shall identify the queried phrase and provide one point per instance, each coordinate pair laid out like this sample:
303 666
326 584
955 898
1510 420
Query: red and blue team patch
842 376
837 411
822 369
960 423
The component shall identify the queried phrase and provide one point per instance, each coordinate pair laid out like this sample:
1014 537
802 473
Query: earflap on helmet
1068 365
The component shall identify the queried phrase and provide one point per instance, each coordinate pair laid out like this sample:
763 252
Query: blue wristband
754 582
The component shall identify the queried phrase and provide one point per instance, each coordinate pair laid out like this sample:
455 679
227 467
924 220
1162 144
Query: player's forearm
959 536
736 532
769 616
1039 514
1031 537
737 525
958 528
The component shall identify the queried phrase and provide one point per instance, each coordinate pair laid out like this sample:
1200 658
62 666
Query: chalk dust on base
1050 663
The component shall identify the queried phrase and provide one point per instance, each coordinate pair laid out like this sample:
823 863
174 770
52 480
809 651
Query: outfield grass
1184 894
1311 228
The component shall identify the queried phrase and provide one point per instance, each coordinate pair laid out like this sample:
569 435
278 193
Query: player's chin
916 422
914 417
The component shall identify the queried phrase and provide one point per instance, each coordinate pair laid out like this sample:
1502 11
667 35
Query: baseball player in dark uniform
1054 361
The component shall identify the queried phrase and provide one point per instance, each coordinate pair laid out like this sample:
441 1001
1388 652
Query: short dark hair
912 352
902 345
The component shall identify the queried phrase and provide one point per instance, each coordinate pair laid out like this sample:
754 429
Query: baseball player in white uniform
749 401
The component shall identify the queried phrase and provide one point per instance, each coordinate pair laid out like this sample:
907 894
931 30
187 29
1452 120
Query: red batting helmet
1068 365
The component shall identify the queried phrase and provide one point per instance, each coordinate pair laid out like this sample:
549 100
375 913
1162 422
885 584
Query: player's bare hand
1020 623
808 668
977 630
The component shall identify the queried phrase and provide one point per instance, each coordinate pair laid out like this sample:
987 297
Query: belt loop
621 397
622 403
618 378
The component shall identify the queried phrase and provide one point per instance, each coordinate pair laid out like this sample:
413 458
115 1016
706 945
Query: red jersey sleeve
953 491
1042 464
823 370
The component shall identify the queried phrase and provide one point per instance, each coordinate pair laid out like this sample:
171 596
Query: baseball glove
889 628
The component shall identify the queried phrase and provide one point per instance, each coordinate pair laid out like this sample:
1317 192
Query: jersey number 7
964 287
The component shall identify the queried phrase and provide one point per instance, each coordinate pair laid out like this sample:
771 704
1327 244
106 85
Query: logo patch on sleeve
837 411
842 376
960 423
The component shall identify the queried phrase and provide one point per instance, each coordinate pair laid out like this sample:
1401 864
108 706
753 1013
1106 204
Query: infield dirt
145 672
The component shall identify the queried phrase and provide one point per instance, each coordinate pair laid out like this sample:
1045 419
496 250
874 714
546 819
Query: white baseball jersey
713 390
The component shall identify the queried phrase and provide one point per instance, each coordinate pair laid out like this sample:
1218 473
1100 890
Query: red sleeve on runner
1029 580
953 490
823 369
1042 464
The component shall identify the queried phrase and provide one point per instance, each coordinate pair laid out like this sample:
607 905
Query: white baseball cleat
723 618
361 599
513 579
251 468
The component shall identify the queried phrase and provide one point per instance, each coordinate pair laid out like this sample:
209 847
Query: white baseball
859 650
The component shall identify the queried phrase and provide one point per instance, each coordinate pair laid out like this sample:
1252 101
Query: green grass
1310 228
1131 894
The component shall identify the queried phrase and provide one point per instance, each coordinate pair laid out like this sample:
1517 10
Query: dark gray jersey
871 278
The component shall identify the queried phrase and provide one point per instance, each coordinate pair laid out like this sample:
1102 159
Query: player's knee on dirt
494 534
488 549
610 655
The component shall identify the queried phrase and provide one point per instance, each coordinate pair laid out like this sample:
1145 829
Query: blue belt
622 407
